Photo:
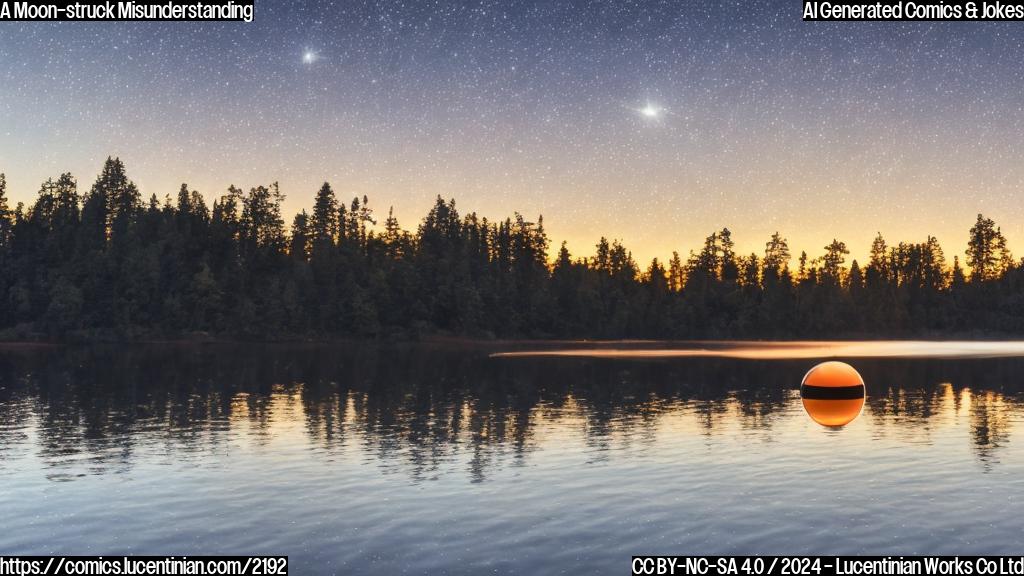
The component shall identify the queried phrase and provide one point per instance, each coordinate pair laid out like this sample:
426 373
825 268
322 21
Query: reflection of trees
990 425
903 398
913 398
415 408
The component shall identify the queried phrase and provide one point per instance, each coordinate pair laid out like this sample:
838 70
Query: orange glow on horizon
793 350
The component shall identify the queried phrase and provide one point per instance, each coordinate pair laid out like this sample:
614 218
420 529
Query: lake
462 459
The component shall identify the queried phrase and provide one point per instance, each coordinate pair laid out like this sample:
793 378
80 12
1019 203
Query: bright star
650 111
308 57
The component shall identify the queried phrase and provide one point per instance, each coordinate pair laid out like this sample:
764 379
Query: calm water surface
431 459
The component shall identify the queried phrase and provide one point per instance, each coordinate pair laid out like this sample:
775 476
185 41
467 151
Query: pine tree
751 272
728 267
121 201
706 264
878 263
776 255
301 237
393 238
987 254
324 221
602 261
676 273
957 277
855 280
6 215
835 256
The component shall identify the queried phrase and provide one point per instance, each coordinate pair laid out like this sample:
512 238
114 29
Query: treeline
108 264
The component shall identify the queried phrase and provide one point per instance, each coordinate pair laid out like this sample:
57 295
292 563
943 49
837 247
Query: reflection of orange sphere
832 393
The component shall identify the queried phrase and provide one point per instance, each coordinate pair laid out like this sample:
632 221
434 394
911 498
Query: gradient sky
759 121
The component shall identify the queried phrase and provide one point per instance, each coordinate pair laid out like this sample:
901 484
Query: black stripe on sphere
831 392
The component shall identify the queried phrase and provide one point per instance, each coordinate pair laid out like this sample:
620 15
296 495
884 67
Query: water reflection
415 410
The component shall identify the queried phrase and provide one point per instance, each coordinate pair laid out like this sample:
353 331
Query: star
308 57
651 111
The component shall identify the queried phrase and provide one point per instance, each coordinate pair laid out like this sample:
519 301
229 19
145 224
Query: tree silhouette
108 266
835 256
987 254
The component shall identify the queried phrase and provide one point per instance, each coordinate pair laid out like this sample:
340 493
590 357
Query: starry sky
655 122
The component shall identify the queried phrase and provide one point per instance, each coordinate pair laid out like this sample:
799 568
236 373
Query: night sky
652 122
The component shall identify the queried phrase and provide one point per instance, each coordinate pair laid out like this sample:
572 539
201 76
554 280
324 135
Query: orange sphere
832 393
